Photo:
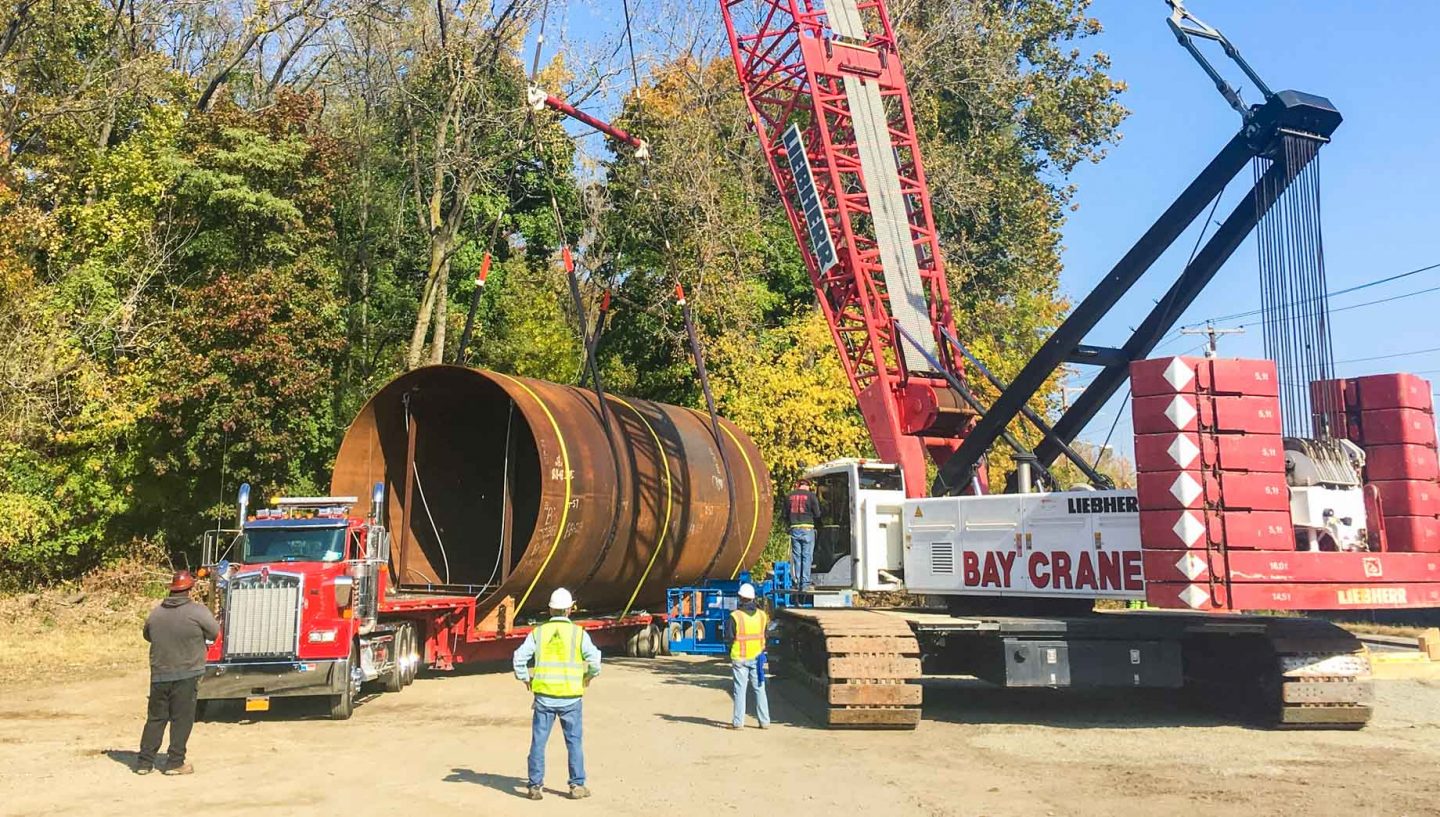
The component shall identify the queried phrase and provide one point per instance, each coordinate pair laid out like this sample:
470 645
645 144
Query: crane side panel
1079 544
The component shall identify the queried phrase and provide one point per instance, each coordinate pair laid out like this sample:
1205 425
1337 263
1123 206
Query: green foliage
527 331
787 390
245 383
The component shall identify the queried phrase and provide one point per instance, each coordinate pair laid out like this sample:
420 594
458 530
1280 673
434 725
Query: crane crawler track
1288 673
853 668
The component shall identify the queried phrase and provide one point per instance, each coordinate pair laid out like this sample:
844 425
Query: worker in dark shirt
177 631
802 511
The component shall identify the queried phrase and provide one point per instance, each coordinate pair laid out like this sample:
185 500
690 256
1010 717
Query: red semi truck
308 608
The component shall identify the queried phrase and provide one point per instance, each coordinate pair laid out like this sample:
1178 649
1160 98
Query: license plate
257 704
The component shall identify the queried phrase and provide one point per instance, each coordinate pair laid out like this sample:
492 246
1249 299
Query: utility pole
1065 396
1213 333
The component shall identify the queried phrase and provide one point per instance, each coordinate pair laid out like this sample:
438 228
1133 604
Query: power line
1387 357
1346 291
1402 296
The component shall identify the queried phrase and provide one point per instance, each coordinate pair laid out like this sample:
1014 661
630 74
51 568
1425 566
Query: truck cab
297 591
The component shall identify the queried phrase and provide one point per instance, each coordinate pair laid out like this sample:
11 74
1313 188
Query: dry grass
77 630
1368 628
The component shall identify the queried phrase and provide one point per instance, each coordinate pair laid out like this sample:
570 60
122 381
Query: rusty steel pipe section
513 490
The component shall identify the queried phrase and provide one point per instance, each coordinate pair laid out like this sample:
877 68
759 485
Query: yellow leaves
785 387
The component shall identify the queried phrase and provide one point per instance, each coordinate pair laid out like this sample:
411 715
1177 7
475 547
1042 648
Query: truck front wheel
342 706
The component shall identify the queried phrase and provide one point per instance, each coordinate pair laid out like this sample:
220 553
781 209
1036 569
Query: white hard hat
747 591
561 599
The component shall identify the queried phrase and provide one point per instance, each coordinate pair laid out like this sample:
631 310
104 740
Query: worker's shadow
499 782
691 719
128 758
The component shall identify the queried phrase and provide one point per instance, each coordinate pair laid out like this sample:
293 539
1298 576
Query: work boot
765 725
533 792
183 768
579 792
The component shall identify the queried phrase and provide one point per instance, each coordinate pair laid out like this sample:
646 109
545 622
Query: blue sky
1380 178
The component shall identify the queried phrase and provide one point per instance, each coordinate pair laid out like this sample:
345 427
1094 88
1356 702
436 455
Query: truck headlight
321 636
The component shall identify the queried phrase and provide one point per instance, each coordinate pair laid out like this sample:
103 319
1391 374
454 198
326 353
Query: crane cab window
881 479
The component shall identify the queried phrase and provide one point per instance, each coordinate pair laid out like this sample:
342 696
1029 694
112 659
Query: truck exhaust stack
507 486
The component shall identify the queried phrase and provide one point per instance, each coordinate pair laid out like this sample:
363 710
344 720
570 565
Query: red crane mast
830 104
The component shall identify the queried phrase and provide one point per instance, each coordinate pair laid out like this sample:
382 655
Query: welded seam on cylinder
669 502
565 508
755 499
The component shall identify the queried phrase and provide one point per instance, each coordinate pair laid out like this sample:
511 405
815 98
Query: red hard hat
182 581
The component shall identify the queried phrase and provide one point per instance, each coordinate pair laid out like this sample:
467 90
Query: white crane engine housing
1061 544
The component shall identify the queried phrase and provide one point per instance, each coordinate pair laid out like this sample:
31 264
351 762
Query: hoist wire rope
1294 292
562 241
697 351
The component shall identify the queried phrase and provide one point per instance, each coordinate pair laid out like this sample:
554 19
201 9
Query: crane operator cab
858 540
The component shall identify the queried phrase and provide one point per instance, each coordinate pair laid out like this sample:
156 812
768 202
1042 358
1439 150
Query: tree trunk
427 302
442 309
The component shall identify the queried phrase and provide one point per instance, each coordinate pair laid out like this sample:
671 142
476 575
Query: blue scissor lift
696 613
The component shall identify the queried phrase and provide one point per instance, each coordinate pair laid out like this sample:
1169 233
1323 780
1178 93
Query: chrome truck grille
262 615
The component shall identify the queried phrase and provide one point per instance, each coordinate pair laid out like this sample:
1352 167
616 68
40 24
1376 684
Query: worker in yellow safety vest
746 632
565 661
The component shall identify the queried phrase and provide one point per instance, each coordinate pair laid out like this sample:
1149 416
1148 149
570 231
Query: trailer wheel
661 636
632 644
394 680
342 706
645 642
411 653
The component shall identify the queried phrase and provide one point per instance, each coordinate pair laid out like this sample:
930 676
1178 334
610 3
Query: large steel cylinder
512 487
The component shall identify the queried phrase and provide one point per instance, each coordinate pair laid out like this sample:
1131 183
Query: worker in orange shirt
745 630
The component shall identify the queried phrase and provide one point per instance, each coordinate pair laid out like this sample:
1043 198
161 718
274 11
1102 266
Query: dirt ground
455 744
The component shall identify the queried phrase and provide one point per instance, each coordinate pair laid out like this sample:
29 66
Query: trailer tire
632 644
410 653
342 706
394 680
645 642
661 637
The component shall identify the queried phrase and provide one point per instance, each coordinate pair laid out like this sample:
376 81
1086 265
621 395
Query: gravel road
455 745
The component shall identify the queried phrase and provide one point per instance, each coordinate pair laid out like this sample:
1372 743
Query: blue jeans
745 674
802 553
540 726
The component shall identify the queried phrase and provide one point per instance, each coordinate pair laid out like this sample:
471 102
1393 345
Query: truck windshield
294 544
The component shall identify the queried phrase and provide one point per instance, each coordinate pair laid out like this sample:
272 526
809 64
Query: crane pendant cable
1294 298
